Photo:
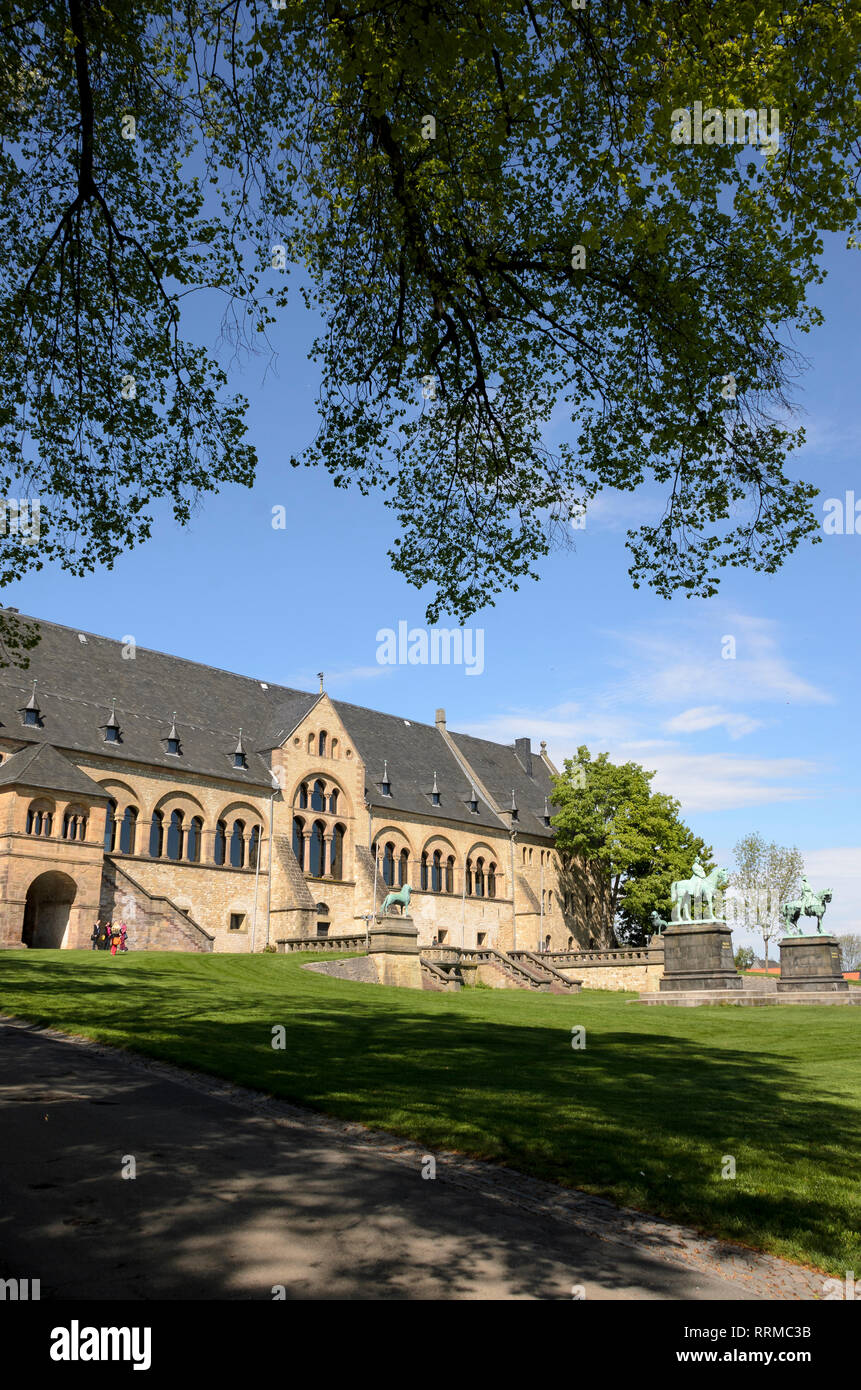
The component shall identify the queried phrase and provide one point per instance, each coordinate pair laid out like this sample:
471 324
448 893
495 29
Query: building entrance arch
46 910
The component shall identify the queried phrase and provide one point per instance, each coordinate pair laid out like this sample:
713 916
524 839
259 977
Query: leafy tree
850 948
630 840
744 958
765 877
492 219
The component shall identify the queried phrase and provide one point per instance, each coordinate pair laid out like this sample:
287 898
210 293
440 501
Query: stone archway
46 910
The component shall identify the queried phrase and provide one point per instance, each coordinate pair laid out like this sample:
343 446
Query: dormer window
239 758
112 728
385 785
435 792
515 814
473 802
31 712
546 812
171 743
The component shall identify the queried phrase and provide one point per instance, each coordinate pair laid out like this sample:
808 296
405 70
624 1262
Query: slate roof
79 674
414 752
76 681
501 771
41 765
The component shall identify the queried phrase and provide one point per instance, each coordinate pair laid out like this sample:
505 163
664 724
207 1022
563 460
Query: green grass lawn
643 1115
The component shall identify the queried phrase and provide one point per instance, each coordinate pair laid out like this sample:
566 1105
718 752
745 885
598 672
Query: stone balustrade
347 942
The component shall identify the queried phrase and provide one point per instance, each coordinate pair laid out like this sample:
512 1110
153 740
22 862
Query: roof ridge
154 651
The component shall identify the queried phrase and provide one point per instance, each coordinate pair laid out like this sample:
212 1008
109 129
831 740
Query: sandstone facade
215 812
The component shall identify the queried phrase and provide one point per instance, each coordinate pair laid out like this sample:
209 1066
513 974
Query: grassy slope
643 1115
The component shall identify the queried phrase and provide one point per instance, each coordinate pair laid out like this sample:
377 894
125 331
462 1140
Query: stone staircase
154 921
559 983
443 967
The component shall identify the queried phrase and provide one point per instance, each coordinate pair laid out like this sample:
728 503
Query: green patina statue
811 905
658 924
700 887
401 898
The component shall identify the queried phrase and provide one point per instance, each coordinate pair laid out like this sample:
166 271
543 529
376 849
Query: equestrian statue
810 905
700 887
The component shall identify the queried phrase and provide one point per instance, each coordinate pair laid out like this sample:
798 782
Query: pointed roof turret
112 727
31 712
172 740
239 758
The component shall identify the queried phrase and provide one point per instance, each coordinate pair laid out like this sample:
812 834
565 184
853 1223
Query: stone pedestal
697 956
393 946
810 963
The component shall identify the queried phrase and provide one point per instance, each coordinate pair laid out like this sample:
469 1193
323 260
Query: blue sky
767 741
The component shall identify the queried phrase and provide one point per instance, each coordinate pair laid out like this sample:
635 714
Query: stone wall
635 969
155 923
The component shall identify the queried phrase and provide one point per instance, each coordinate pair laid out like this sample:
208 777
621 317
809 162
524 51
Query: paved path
236 1192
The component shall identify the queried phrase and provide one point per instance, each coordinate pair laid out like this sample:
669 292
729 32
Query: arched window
479 878
449 874
310 743
156 835
175 835
338 851
299 841
303 797
335 751
469 876
436 872
317 865
74 824
237 845
424 872
110 827
389 865
128 830
491 880
403 867
321 750
254 847
333 801
220 848
318 797
39 819
195 836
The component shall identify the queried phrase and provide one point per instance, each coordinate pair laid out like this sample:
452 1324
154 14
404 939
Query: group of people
110 936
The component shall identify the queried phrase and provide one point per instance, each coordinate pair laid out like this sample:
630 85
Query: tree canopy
494 221
766 875
629 838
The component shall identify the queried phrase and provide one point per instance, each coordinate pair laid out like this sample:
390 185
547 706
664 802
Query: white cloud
701 717
705 781
675 666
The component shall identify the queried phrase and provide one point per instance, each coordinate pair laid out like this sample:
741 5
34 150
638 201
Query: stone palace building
211 811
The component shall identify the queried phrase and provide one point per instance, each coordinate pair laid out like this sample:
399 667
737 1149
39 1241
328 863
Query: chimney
440 720
523 749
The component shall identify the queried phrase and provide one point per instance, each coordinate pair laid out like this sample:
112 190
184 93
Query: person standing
94 938
124 931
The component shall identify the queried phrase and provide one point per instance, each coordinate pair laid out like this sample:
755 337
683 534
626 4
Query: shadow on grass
645 1118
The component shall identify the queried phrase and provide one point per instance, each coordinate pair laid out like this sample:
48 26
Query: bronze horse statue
401 898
